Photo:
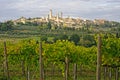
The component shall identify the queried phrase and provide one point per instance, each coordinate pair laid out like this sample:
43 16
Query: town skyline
85 9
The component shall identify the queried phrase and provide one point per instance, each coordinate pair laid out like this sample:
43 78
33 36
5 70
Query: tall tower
47 18
61 15
57 18
50 14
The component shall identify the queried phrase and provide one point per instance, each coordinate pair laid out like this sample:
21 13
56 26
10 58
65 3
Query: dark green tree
88 41
64 37
75 38
117 35
44 38
6 26
49 25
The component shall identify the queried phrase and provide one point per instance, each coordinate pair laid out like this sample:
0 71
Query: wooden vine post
66 68
98 69
6 71
75 72
41 63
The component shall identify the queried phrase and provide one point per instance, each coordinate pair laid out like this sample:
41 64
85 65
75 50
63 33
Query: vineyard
62 60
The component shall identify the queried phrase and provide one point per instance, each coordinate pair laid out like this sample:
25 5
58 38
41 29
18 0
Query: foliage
28 51
88 41
6 26
111 52
75 38
64 37
49 25
44 38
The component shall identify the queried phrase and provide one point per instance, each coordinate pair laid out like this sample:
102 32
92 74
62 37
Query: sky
84 9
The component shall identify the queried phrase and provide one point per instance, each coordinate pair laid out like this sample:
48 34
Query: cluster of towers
59 15
58 18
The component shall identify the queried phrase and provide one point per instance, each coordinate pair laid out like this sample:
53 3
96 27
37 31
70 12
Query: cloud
23 5
114 1
109 9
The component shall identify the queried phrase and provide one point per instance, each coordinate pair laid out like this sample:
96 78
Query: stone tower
57 18
61 14
50 14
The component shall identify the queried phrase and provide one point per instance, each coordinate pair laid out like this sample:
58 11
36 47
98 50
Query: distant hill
55 25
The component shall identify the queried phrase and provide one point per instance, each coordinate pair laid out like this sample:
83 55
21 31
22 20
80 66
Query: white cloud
23 5
83 8
113 1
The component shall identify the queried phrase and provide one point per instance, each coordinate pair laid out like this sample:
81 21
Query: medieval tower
50 14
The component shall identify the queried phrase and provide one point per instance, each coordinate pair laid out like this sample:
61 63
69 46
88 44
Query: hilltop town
61 21
56 25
